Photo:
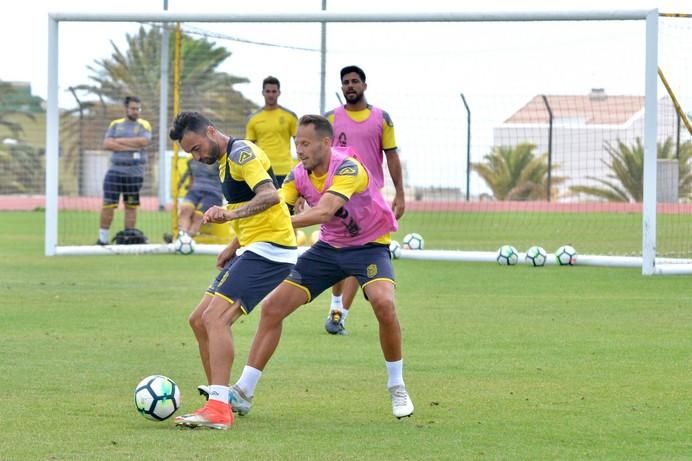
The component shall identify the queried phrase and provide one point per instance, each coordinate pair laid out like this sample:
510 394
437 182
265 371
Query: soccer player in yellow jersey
258 259
370 131
272 128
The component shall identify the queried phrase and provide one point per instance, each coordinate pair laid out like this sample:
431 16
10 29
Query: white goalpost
644 256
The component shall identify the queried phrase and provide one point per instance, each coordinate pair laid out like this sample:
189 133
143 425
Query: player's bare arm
325 209
394 166
227 253
266 196
134 143
124 144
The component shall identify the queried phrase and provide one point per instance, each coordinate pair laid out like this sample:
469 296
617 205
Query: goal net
512 129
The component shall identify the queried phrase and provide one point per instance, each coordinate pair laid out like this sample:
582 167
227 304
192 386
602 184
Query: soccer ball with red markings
157 397
566 255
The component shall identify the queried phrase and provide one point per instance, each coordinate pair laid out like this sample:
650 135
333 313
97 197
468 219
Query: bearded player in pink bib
370 131
355 226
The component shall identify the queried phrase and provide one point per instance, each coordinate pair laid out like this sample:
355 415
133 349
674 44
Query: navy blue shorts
116 183
248 278
322 265
202 200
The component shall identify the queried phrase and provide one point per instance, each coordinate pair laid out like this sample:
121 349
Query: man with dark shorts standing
126 137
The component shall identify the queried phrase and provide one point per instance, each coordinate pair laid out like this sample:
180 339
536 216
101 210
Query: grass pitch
501 362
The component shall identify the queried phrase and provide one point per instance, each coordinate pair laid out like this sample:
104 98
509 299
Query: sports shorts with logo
322 265
248 278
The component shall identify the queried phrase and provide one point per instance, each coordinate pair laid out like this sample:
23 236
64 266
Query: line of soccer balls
185 245
536 256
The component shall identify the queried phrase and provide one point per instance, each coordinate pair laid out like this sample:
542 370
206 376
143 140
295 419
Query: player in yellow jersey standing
272 128
258 259
369 130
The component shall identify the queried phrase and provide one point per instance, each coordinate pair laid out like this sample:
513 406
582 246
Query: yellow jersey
242 168
272 130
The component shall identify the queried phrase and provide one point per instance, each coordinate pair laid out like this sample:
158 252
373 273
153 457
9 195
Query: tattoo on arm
265 197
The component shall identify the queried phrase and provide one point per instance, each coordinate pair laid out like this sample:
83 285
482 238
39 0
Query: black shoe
99 242
168 238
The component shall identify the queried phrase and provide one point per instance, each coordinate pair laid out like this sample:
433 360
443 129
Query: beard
214 151
132 118
354 98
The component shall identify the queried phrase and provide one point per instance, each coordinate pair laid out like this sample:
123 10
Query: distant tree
625 183
137 71
20 164
516 173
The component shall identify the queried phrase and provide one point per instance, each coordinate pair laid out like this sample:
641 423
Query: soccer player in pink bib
355 226
370 131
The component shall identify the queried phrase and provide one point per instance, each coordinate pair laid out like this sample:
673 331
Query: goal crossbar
651 65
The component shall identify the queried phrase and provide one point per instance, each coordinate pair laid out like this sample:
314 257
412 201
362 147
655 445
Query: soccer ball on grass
413 241
507 255
536 256
157 397
566 255
184 244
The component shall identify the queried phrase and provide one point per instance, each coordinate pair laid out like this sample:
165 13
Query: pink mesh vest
365 137
363 219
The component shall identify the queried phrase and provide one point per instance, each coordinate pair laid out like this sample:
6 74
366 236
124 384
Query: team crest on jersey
347 168
372 270
245 156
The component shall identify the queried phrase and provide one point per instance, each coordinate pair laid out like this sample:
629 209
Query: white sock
344 313
395 373
248 380
103 235
219 393
336 303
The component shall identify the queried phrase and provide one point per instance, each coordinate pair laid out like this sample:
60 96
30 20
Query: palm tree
19 161
516 173
203 87
136 70
625 183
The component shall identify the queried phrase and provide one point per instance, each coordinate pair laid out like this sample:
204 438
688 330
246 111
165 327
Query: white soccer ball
507 255
536 256
157 397
184 244
394 249
413 241
566 255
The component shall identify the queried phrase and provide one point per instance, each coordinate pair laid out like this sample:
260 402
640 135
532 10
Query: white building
582 125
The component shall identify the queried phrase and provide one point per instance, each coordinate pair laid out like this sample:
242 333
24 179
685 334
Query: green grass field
502 364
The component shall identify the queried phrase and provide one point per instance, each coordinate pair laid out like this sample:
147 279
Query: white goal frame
647 262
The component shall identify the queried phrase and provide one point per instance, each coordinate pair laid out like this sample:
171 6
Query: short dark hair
188 121
129 99
356 69
271 81
321 124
